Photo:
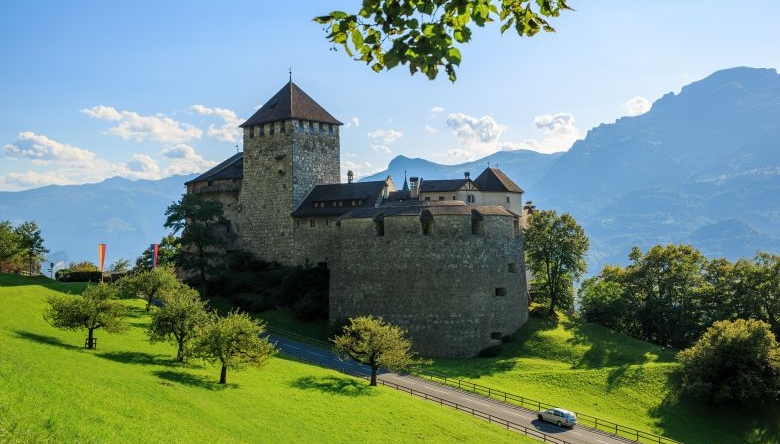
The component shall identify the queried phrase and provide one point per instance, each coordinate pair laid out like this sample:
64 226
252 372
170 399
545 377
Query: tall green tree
376 343
733 361
424 34
761 277
167 254
555 248
31 244
96 308
203 229
234 342
668 282
151 285
9 241
178 319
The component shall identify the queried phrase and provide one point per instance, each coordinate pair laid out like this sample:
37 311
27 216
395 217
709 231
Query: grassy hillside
54 391
588 368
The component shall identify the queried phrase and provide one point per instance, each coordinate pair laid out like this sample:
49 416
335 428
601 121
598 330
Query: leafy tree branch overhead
423 34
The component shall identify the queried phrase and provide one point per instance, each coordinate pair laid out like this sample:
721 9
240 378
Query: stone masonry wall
314 244
281 166
441 287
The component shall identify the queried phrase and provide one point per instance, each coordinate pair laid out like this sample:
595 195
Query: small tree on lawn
374 342
234 342
181 315
733 361
149 285
96 308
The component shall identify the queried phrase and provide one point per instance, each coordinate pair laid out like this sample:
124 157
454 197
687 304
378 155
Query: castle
441 258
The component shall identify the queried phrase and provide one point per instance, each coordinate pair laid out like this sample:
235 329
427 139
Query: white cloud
361 169
32 179
143 165
229 131
437 110
472 130
430 129
559 131
477 136
637 105
38 147
384 138
353 122
184 160
135 126
103 112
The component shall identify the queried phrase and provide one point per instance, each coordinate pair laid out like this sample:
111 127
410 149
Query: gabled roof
432 186
290 103
232 168
493 179
368 192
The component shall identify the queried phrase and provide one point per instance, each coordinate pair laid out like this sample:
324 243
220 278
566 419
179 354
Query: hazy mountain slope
523 166
126 215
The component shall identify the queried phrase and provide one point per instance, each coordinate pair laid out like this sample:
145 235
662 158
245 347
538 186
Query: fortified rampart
454 291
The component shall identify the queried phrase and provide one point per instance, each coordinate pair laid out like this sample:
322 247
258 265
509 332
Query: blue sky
147 89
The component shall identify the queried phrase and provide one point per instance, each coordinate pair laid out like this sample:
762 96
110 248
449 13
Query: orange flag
101 255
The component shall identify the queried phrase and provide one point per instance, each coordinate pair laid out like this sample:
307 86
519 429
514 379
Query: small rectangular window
427 197
311 223
500 291
507 199
261 129
300 126
330 129
441 197
271 129
251 132
311 127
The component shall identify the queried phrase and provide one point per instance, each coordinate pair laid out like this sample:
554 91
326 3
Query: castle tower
291 144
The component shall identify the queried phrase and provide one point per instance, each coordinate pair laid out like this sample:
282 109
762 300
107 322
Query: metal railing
509 398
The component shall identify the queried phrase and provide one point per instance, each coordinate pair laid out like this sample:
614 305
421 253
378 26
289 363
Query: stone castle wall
314 244
283 161
456 293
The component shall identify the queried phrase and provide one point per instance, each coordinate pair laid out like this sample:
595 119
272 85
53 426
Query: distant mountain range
125 215
701 167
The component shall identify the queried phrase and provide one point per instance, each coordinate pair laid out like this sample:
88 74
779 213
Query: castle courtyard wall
441 287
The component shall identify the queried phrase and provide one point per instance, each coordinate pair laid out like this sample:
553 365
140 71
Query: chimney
350 176
414 188
467 175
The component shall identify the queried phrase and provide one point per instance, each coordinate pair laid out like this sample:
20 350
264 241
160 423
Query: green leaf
357 39
453 56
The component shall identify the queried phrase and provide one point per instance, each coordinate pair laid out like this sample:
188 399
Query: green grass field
54 391
590 369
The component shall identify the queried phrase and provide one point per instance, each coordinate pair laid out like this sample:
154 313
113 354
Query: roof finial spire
290 74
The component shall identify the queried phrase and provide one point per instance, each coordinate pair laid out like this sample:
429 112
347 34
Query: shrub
733 361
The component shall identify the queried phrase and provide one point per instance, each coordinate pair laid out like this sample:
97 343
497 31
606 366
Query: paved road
496 409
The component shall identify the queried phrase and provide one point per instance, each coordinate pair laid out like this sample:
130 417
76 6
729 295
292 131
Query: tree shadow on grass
43 339
607 348
170 376
140 358
693 421
334 384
